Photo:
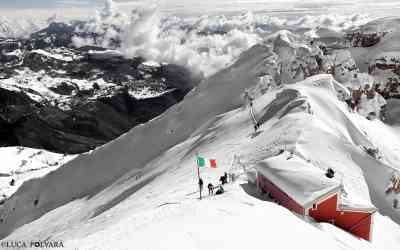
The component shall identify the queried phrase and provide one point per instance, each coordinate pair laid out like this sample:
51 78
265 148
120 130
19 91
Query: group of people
210 187
220 190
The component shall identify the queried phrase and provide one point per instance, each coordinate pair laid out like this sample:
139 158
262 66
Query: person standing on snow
210 189
222 179
201 185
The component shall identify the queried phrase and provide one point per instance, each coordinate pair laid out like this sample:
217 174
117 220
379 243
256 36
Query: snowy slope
139 191
21 164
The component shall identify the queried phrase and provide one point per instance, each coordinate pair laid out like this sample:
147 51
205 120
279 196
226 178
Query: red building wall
357 223
279 195
326 210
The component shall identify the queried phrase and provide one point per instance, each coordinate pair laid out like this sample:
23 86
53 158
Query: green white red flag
202 162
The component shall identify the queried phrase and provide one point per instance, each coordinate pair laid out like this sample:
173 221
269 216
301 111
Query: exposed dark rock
87 95
85 126
360 39
64 88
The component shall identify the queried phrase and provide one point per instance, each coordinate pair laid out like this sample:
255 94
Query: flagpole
198 173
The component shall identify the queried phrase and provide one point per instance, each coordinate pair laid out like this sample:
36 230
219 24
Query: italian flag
202 162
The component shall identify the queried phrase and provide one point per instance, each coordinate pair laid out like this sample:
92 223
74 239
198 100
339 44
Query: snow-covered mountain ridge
144 183
82 68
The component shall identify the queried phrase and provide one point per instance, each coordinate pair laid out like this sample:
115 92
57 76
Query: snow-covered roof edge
283 170
357 208
327 194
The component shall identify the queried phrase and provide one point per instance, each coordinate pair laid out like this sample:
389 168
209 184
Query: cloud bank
205 44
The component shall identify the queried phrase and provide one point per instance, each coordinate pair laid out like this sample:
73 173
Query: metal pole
198 174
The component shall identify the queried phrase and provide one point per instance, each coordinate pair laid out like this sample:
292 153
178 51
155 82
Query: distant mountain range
15 28
70 100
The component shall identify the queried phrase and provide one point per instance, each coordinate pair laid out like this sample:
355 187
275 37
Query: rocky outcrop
360 39
89 121
71 100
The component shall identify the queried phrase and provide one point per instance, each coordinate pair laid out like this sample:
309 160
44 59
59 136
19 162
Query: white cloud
205 44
